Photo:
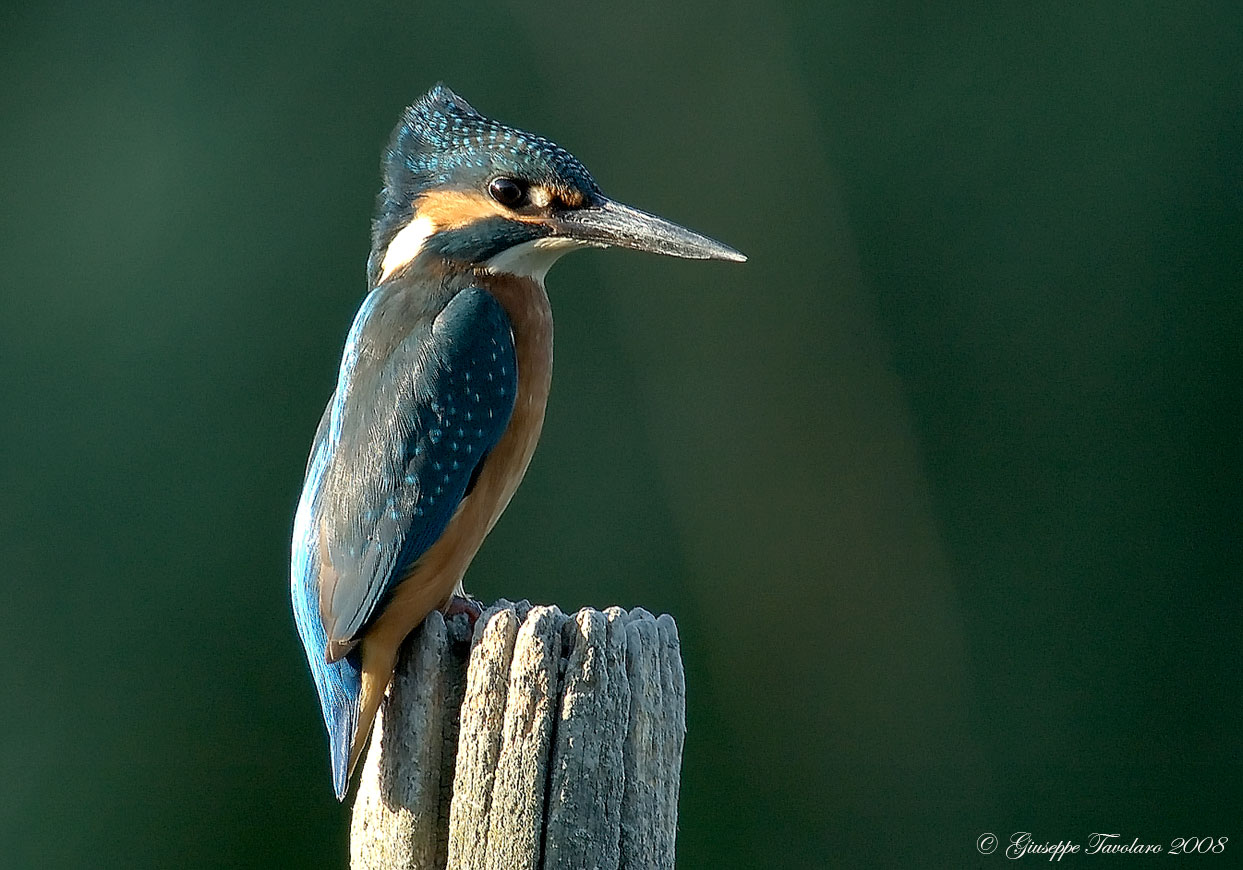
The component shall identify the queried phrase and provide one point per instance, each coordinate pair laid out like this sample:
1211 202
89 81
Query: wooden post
542 742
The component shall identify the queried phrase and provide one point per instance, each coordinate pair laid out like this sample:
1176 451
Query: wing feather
411 421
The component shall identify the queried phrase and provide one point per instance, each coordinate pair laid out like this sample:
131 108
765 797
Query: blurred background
941 486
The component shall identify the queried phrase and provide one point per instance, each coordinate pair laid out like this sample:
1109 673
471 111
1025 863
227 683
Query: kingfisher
441 391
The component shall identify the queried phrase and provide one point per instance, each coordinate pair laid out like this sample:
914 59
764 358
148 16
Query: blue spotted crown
442 135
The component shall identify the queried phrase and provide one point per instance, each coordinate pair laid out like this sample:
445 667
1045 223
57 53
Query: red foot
470 606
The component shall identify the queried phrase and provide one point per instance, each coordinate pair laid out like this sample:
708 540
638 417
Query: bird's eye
507 191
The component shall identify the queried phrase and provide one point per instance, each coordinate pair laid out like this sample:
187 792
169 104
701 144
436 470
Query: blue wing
423 397
339 683
425 392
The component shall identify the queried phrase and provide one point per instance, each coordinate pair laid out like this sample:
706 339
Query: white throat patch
533 259
406 245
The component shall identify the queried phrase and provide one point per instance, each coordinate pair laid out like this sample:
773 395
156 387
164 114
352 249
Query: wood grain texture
554 742
407 778
587 774
654 739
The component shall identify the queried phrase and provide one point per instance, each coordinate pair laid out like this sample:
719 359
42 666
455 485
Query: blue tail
339 683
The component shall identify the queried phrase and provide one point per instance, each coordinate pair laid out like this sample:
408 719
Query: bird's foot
472 607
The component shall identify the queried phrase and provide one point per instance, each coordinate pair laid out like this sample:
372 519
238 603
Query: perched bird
441 392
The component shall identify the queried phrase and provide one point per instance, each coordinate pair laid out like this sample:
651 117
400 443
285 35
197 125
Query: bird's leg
463 603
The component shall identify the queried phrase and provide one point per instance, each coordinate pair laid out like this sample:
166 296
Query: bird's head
470 191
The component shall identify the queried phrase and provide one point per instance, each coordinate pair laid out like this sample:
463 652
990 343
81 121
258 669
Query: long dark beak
605 222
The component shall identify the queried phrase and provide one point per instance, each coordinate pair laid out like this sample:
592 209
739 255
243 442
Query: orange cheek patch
452 209
571 197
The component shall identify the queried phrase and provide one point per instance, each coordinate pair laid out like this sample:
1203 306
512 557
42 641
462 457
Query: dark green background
942 486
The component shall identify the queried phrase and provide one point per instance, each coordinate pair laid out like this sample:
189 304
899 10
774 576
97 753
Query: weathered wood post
544 741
